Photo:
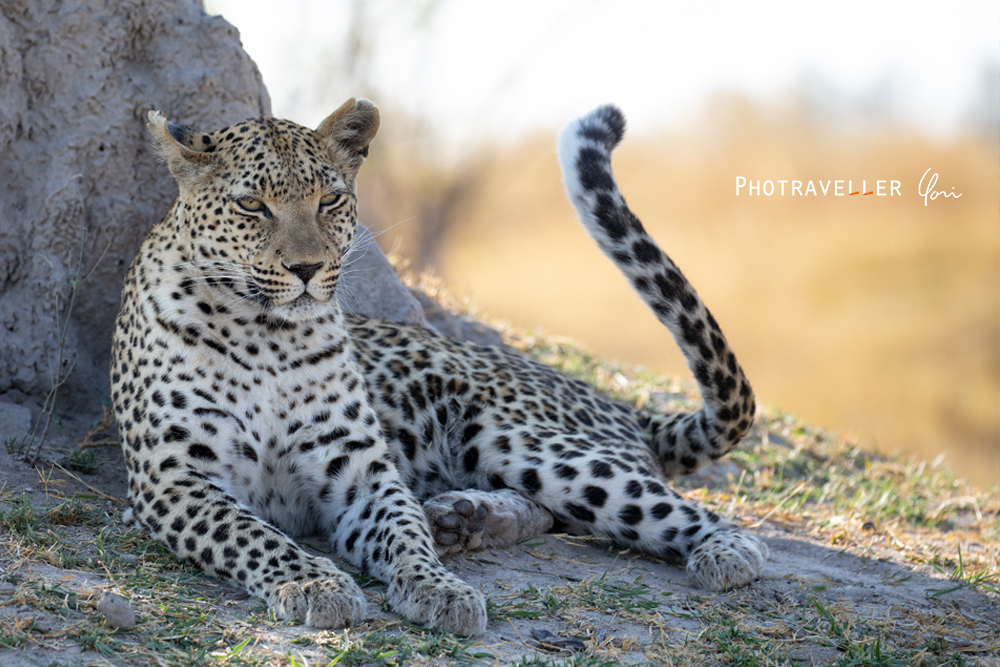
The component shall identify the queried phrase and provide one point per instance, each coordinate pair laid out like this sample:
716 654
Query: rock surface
15 422
76 80
369 286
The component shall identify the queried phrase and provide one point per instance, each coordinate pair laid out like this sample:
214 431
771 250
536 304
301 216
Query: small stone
46 624
551 643
7 588
117 612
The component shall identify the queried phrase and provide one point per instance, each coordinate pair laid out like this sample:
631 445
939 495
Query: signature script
929 193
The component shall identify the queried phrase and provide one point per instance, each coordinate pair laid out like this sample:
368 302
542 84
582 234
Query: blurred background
878 317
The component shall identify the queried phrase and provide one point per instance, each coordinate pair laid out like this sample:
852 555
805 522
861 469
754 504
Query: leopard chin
303 307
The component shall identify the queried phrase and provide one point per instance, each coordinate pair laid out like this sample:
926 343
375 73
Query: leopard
254 411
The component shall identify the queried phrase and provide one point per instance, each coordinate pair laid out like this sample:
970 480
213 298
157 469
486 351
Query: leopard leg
730 557
379 526
473 519
614 489
210 529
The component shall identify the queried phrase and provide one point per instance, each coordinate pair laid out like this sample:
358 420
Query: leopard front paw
321 603
457 523
444 603
727 559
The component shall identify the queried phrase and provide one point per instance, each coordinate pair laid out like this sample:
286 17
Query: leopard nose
305 271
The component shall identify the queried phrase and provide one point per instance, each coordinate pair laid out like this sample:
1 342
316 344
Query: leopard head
267 209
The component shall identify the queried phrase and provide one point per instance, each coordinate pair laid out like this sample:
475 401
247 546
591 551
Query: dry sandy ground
594 581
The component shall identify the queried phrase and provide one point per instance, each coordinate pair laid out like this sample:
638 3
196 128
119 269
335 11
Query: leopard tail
684 442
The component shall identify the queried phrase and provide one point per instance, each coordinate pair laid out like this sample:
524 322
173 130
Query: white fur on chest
265 396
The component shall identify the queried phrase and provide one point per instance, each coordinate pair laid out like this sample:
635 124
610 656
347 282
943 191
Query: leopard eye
328 201
251 205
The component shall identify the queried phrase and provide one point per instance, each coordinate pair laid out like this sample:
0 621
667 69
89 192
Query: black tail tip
604 124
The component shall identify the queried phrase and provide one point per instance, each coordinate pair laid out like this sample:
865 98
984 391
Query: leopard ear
188 153
348 131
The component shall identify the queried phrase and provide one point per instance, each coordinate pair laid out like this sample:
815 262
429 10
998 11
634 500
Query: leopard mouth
303 300
283 305
302 307
255 293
